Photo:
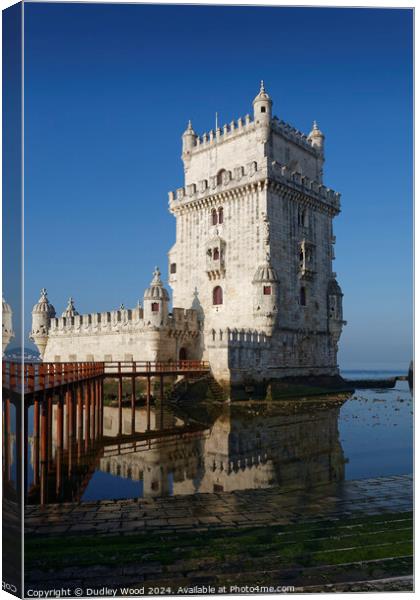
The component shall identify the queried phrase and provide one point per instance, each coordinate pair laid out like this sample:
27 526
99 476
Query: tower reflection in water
291 445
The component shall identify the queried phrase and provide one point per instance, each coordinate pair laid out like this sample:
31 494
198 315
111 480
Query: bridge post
133 404
120 404
44 449
148 402
101 386
23 459
79 391
97 385
161 402
59 438
36 442
87 414
67 420
49 424
72 424
94 400
6 433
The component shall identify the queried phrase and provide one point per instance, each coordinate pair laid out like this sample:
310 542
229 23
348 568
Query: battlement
224 133
246 124
251 173
292 134
283 173
119 321
216 183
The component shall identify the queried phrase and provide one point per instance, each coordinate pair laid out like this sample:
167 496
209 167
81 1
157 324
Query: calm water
290 444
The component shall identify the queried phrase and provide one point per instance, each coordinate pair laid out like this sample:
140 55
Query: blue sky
109 90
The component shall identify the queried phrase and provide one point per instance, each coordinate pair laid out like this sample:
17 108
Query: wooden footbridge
62 405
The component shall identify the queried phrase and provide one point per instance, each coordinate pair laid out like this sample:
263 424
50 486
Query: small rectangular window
267 290
173 268
155 306
262 109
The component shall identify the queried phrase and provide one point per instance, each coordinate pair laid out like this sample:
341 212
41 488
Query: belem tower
251 270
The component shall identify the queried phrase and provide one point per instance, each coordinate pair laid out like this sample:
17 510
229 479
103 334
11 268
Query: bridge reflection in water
202 448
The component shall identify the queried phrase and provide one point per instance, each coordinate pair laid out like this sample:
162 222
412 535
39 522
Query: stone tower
255 247
7 325
42 313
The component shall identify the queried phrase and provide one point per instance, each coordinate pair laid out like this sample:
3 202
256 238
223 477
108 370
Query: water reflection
294 445
203 447
175 450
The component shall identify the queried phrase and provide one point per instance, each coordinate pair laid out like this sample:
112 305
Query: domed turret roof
189 130
70 310
262 95
316 132
334 288
43 306
156 291
265 273
6 307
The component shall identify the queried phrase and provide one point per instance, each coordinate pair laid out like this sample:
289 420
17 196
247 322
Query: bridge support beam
133 405
120 392
148 402
36 442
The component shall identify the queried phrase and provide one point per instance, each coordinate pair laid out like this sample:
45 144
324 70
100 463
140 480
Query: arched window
217 295
216 254
220 215
302 296
155 306
214 217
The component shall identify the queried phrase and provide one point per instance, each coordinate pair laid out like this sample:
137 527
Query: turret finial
262 88
156 277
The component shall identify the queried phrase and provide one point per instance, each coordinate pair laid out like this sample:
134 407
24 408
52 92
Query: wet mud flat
347 536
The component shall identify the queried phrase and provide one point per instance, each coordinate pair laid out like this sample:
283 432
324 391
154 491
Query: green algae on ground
331 542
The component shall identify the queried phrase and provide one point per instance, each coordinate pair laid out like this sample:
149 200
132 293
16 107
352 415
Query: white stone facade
251 266
6 325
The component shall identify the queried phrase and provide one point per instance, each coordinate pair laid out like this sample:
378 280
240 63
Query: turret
70 310
7 325
316 137
335 305
42 313
265 283
189 140
156 300
262 110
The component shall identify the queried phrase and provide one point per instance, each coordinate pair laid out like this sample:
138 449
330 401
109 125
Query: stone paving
205 512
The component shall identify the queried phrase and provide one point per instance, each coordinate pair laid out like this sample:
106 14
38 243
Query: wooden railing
143 367
31 377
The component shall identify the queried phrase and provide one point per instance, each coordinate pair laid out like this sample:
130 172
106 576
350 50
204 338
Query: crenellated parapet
229 182
293 135
282 174
122 321
227 132
218 183
242 126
